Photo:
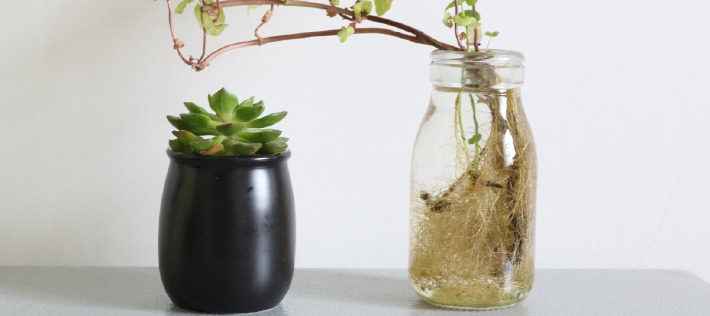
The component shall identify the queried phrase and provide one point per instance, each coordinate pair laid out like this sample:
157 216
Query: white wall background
616 92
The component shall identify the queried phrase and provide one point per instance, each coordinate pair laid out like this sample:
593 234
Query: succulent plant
235 127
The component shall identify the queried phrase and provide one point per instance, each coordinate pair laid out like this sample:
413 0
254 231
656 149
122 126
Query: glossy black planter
227 232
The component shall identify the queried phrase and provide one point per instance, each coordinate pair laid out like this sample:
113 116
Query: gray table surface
82 291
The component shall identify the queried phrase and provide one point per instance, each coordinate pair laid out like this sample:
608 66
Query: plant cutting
226 236
474 161
473 185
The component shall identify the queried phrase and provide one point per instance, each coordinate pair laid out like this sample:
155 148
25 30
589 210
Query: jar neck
489 69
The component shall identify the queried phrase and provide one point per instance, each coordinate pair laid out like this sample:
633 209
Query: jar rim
495 57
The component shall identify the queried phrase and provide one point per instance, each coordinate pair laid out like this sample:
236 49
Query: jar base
471 308
472 305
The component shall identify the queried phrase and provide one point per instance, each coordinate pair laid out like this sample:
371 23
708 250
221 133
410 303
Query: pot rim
193 159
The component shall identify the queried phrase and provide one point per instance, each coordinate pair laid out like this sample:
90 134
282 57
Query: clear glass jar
473 185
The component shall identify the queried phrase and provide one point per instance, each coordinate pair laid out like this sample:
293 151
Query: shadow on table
140 289
378 290
105 288
386 288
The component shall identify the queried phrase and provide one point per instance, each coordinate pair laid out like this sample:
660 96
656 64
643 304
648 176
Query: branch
416 36
266 40
267 17
428 40
177 44
475 32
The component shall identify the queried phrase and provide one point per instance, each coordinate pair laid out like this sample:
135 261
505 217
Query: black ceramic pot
227 232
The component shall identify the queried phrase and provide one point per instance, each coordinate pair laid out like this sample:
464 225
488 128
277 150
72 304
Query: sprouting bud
448 20
462 36
266 17
178 44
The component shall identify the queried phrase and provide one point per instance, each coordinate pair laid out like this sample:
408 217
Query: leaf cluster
465 15
236 127
361 9
211 19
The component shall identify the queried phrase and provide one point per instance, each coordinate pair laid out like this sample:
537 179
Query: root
472 242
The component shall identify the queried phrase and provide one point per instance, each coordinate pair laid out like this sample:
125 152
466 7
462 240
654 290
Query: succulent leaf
259 135
229 129
274 147
215 150
246 114
176 145
194 108
198 124
267 120
186 137
236 127
223 103
241 148
249 102
177 122
195 120
204 144
200 145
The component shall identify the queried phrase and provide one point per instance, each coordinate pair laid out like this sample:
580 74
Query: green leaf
200 145
249 102
216 29
492 34
382 6
274 147
194 108
181 7
267 120
448 20
475 139
246 114
471 2
176 145
464 20
197 121
186 137
204 144
259 135
345 32
177 122
223 103
229 129
214 150
451 5
211 20
470 13
335 2
236 147
362 8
